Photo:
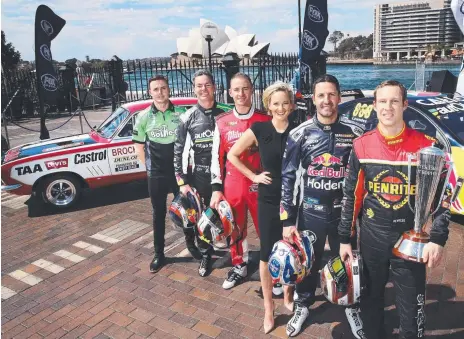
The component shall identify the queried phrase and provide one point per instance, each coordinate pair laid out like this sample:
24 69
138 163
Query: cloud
147 28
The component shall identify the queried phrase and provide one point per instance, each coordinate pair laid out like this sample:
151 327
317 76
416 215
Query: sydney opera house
225 41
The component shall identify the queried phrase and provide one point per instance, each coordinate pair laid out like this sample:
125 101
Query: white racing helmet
216 225
289 263
343 282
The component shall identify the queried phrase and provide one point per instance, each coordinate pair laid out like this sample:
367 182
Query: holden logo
314 14
304 68
47 27
45 51
309 41
49 82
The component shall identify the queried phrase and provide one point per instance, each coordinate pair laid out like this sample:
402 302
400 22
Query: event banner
47 26
314 34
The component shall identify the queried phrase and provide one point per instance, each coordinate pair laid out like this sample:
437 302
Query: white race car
58 169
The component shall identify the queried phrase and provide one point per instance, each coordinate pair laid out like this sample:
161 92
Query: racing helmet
305 247
216 225
343 282
287 262
185 209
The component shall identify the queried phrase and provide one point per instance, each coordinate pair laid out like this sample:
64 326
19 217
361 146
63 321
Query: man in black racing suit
195 133
377 183
314 161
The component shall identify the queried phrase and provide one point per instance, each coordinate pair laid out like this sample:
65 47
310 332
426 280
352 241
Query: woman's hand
262 178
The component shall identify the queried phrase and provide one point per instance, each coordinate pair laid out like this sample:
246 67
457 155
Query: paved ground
28 129
83 273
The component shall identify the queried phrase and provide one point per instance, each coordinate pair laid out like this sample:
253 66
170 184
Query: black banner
313 38
47 26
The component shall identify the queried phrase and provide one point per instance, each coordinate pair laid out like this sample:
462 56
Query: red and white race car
58 169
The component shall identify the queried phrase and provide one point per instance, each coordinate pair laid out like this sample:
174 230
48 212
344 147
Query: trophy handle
410 157
450 169
457 189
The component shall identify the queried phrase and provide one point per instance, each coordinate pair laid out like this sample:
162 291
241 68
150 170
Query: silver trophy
431 162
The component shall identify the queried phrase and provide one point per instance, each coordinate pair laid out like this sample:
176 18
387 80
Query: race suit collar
392 141
324 127
209 110
155 110
247 115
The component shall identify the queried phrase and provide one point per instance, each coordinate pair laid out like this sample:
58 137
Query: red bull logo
192 215
327 160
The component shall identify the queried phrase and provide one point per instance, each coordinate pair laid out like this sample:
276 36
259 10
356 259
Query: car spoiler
356 93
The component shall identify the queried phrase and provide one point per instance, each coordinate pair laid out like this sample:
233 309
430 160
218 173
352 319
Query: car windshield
109 126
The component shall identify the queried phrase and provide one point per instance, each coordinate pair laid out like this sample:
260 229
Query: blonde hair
278 86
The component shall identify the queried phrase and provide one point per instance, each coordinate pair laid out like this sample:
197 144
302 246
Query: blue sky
149 28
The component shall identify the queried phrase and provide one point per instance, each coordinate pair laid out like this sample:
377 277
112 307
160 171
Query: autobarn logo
310 41
47 27
208 134
22 170
322 166
314 14
45 52
391 191
49 82
89 157
55 164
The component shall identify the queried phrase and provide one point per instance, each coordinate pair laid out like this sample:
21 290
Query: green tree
335 37
10 56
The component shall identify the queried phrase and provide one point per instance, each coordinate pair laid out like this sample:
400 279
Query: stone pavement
83 273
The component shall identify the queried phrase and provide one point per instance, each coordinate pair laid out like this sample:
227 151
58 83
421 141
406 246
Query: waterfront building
413 30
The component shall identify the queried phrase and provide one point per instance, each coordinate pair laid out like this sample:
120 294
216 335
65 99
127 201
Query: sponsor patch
89 157
55 164
22 170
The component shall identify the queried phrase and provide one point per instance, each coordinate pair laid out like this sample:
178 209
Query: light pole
209 30
209 39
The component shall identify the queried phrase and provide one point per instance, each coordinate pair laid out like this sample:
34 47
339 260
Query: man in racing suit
195 132
153 135
314 162
239 191
377 182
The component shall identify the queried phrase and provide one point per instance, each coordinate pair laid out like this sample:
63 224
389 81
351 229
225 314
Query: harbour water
350 76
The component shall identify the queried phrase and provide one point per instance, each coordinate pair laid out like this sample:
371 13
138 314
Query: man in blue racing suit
314 163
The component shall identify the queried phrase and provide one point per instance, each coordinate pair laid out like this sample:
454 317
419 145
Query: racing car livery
58 169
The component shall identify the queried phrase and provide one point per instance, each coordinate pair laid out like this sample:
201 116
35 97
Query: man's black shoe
157 263
205 266
192 248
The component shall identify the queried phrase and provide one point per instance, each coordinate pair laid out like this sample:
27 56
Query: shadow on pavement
104 196
442 314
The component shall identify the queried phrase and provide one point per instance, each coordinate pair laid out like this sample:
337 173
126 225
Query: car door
123 159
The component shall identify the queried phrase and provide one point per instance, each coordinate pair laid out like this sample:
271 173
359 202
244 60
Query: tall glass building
410 30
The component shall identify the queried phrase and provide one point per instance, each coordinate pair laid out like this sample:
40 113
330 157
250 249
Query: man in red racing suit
239 191
377 182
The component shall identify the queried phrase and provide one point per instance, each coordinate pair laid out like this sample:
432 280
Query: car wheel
61 190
